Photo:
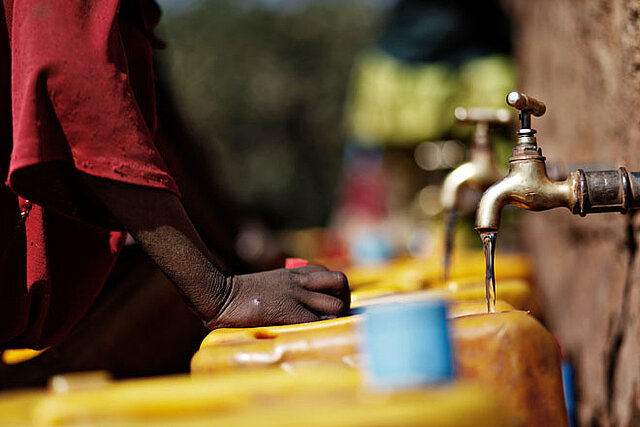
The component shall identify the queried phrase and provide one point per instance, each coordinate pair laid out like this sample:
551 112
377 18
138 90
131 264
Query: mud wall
582 58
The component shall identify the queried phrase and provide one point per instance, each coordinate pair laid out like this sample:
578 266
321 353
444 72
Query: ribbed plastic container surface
509 351
314 397
414 273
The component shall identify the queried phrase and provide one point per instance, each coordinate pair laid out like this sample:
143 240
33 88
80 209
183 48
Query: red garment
81 88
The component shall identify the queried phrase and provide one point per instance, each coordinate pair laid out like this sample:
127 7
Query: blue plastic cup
407 344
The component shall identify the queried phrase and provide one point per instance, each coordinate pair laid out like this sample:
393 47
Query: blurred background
311 113
262 85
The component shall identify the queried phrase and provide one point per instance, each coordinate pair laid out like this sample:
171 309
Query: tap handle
482 115
526 103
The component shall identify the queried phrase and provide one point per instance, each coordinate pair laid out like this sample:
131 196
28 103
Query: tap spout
528 186
478 174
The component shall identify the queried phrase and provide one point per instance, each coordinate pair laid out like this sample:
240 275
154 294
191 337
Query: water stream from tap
489 246
449 225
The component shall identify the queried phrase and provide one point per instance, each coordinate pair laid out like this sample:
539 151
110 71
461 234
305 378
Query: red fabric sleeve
67 264
75 65
81 89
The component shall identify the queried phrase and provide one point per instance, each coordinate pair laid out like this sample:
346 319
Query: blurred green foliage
263 91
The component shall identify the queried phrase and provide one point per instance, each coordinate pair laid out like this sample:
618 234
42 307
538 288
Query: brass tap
528 185
480 171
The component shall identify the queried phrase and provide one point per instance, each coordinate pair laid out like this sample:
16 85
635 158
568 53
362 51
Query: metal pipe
607 191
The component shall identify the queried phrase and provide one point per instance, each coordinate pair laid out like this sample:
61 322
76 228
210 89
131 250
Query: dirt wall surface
582 58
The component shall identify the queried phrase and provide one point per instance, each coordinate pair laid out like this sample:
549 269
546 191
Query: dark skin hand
158 222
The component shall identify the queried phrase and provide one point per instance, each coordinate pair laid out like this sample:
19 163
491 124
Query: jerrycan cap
407 344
